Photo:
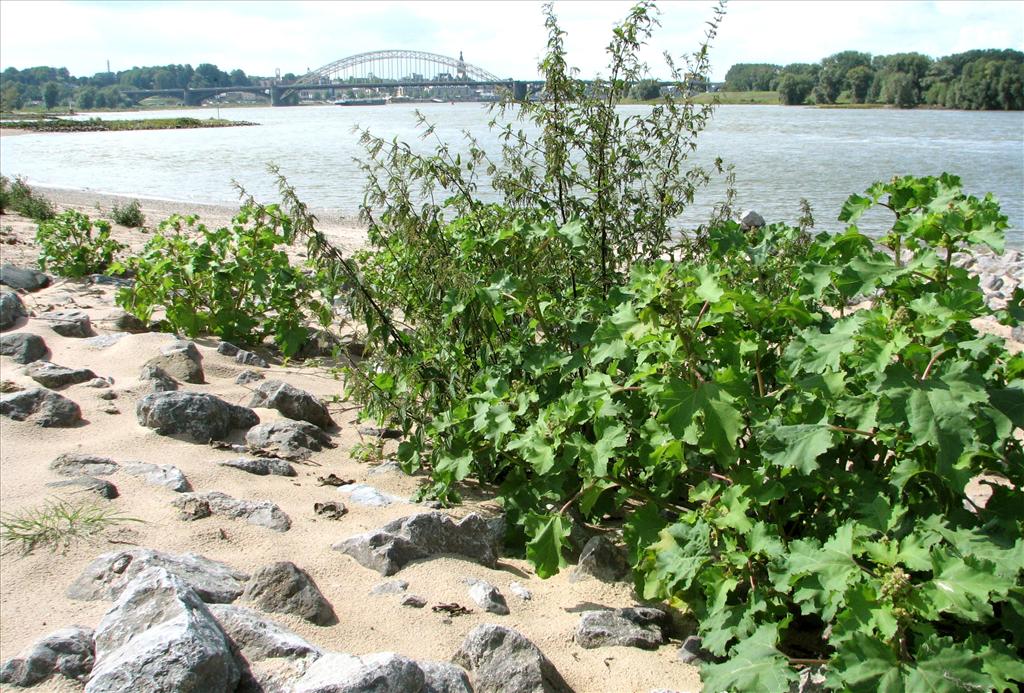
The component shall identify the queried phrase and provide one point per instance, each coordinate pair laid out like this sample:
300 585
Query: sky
503 37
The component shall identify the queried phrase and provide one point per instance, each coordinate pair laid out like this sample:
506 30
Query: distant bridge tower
461 68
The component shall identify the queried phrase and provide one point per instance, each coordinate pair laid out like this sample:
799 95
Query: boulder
78 464
632 627
227 348
600 559
21 278
23 347
158 379
202 416
388 549
68 323
247 358
53 376
444 677
11 308
292 402
502 660
487 597
383 672
751 220
159 636
258 638
290 439
89 484
108 575
166 475
285 588
43 407
261 466
181 360
123 321
67 652
260 513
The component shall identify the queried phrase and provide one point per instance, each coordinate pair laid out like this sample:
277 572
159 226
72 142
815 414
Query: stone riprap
23 347
202 416
42 407
259 513
292 402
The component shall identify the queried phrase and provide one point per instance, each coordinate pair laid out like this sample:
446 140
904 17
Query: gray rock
488 597
692 651
261 466
103 341
319 344
67 652
246 377
633 627
11 308
166 475
158 379
123 321
390 587
202 416
100 383
368 496
383 672
181 360
247 358
285 588
108 575
23 347
68 323
292 402
107 280
77 464
444 677
385 468
520 591
414 601
751 220
227 348
332 510
43 407
159 636
600 559
91 484
388 549
290 439
20 278
107 395
259 513
1017 334
502 660
259 638
193 508
53 376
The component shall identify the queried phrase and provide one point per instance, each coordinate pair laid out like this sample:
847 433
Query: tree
11 97
645 90
859 81
239 79
794 88
901 89
87 98
51 93
752 77
832 77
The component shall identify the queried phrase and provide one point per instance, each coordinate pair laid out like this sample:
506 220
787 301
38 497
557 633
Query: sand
32 600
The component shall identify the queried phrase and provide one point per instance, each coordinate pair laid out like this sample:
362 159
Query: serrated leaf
754 665
609 339
798 447
866 665
942 666
548 537
961 586
680 405
833 563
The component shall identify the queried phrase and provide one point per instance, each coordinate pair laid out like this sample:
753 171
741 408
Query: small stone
260 513
390 587
996 283
68 323
111 409
107 395
19 278
390 467
43 407
501 659
261 466
99 383
632 627
181 360
413 600
285 588
11 309
246 377
520 591
101 487
67 652
368 496
227 348
751 220
382 672
158 379
1017 334
75 464
23 347
259 638
123 321
193 508
53 376
332 510
289 439
693 652
247 358
292 402
103 341
602 560
166 475
444 677
488 597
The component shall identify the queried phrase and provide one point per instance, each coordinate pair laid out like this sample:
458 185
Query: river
780 154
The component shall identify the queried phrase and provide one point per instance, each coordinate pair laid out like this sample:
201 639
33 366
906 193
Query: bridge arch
391 65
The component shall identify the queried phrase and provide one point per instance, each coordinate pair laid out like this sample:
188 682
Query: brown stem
844 429
931 363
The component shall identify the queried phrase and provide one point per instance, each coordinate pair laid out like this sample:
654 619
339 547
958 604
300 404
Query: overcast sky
505 38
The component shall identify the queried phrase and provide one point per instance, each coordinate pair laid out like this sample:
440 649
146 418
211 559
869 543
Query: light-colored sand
32 601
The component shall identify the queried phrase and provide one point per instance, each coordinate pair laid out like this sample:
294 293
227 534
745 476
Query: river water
780 154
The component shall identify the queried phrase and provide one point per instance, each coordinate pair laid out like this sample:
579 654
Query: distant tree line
976 80
56 86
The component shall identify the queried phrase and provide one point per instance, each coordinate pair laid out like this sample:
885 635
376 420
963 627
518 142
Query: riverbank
101 125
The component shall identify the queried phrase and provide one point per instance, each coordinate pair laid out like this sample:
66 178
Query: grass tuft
56 524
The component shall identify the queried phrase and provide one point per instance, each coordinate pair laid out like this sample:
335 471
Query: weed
56 524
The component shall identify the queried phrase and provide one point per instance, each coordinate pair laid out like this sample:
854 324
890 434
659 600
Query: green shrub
235 282
19 197
129 215
72 245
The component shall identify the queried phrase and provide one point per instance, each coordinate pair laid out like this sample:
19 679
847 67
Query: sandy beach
32 588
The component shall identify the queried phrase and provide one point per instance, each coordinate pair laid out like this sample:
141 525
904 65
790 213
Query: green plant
73 245
235 282
20 198
368 451
57 525
129 215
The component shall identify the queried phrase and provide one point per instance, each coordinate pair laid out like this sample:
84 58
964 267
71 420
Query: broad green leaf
754 665
942 666
708 290
548 537
854 207
815 351
609 339
834 563
961 586
642 529
680 405
612 438
797 447
863 664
